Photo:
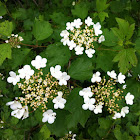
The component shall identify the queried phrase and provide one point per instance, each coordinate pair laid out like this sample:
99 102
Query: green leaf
101 5
14 121
104 123
5 52
110 38
81 68
80 10
118 133
116 6
137 46
74 105
6 28
126 59
135 129
2 9
130 31
102 16
20 14
56 54
45 132
42 29
118 33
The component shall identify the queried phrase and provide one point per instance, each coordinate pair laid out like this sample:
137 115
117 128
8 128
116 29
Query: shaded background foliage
40 22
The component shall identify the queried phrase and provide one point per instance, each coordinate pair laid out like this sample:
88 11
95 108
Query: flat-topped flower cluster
39 89
106 93
82 36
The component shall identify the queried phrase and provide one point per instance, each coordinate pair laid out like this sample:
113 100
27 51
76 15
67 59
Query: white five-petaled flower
117 115
55 71
59 102
112 74
71 44
13 78
70 25
14 105
129 98
79 50
65 40
26 72
124 111
89 104
96 77
39 62
49 116
121 78
90 52
97 28
101 39
64 33
63 78
98 108
77 23
18 113
1 17
88 21
86 92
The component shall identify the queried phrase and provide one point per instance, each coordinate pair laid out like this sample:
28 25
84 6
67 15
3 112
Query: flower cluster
39 89
80 36
106 93
1 124
69 136
14 40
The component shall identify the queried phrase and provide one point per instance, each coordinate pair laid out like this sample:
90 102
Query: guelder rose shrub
69 70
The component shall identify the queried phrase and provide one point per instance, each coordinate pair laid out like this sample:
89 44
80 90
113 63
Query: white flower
63 79
71 44
77 23
88 104
14 105
13 78
6 41
39 62
18 46
101 39
18 113
49 116
96 77
20 38
26 72
112 74
70 26
12 35
124 110
86 92
65 40
129 98
124 86
1 17
73 3
90 52
59 102
64 33
79 50
73 137
97 28
55 71
129 74
26 112
98 108
121 78
88 21
117 115
16 35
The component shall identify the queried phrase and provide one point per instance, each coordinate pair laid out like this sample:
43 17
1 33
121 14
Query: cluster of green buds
14 41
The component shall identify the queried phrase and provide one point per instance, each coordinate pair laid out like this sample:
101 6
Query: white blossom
49 116
112 74
64 33
70 25
18 46
55 71
1 17
97 28
65 40
129 98
96 77
121 78
89 104
77 23
59 102
98 108
14 105
13 78
16 35
71 44
63 78
88 21
26 72
79 50
90 52
39 62
18 113
117 115
124 111
20 38
124 86
101 39
86 92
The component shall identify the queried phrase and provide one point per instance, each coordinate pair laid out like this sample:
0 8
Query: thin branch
34 46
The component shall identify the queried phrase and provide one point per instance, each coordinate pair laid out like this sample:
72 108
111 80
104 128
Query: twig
34 46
